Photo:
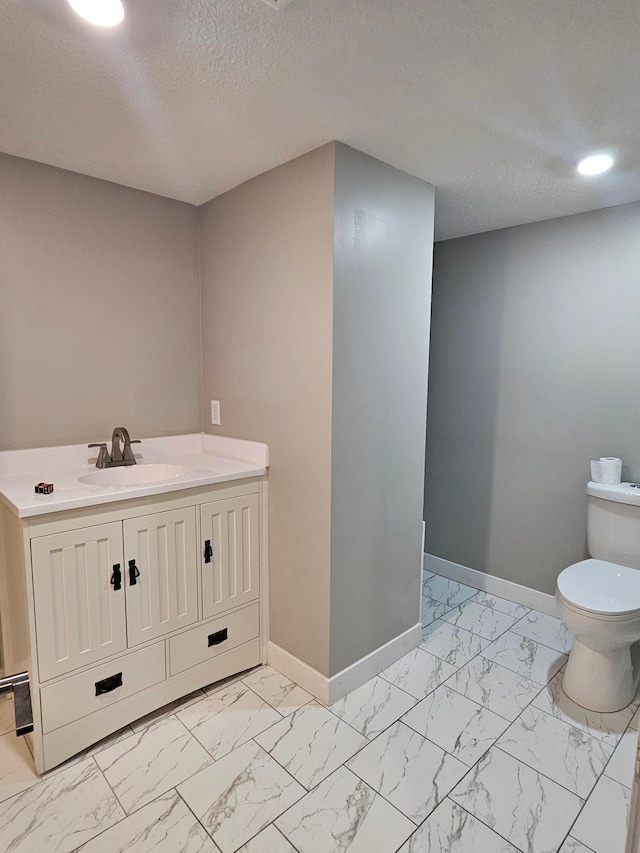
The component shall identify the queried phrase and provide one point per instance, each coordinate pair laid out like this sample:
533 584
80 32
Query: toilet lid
601 587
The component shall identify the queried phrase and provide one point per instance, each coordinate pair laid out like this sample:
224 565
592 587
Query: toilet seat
601 589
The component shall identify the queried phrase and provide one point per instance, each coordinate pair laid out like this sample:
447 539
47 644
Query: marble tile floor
466 745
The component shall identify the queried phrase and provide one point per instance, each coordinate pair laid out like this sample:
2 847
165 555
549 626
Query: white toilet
599 600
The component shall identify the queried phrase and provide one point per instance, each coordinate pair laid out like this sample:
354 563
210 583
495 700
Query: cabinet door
161 573
80 613
231 560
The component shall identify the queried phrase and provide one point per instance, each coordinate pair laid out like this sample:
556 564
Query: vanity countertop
208 459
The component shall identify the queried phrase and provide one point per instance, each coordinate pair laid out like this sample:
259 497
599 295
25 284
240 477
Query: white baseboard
489 583
306 676
373 664
330 690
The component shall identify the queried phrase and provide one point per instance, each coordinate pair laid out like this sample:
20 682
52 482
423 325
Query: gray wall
381 296
99 309
267 252
315 288
535 370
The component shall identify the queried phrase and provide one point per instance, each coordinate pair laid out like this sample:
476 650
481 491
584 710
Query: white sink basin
133 475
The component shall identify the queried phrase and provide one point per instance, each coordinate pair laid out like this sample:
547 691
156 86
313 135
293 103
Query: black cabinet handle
116 578
218 637
208 551
133 573
108 684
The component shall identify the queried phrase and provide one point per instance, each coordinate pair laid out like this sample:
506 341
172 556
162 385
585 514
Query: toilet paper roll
607 470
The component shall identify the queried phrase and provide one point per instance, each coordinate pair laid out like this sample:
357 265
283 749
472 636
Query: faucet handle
128 452
103 455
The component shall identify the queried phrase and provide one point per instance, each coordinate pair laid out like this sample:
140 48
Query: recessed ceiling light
595 164
102 13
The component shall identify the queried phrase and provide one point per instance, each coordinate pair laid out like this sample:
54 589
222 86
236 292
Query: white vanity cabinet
160 571
118 609
79 618
231 555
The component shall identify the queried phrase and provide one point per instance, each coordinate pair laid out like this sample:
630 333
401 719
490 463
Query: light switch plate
215 412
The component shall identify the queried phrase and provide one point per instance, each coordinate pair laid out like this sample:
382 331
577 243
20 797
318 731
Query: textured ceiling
489 100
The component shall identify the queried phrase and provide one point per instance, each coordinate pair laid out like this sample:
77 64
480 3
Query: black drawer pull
116 577
218 637
208 551
108 684
133 573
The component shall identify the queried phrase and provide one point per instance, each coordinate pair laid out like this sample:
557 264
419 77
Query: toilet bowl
599 602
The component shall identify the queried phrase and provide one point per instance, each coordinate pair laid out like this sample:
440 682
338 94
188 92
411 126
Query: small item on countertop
44 488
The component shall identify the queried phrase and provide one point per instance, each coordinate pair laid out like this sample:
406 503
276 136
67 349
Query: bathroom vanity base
120 608
64 742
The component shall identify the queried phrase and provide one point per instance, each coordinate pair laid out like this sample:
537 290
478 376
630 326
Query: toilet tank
613 523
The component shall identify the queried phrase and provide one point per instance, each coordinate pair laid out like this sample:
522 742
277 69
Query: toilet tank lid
601 587
623 493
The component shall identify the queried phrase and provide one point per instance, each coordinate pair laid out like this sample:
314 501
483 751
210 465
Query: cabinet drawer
213 638
76 697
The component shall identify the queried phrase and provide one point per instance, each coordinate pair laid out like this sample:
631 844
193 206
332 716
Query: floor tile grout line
498 636
251 740
577 817
126 816
387 801
307 790
473 657
499 663
502 717
529 704
494 746
366 737
458 693
519 619
428 740
478 590
539 642
195 816
286 838
237 745
406 692
417 700
342 720
589 732
500 598
117 798
519 674
513 722
480 654
449 797
306 793
368 741
279 831
604 773
357 752
515 846
581 797
473 597
568 725
490 640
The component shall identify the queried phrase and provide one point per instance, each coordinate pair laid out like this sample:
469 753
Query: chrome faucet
121 452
